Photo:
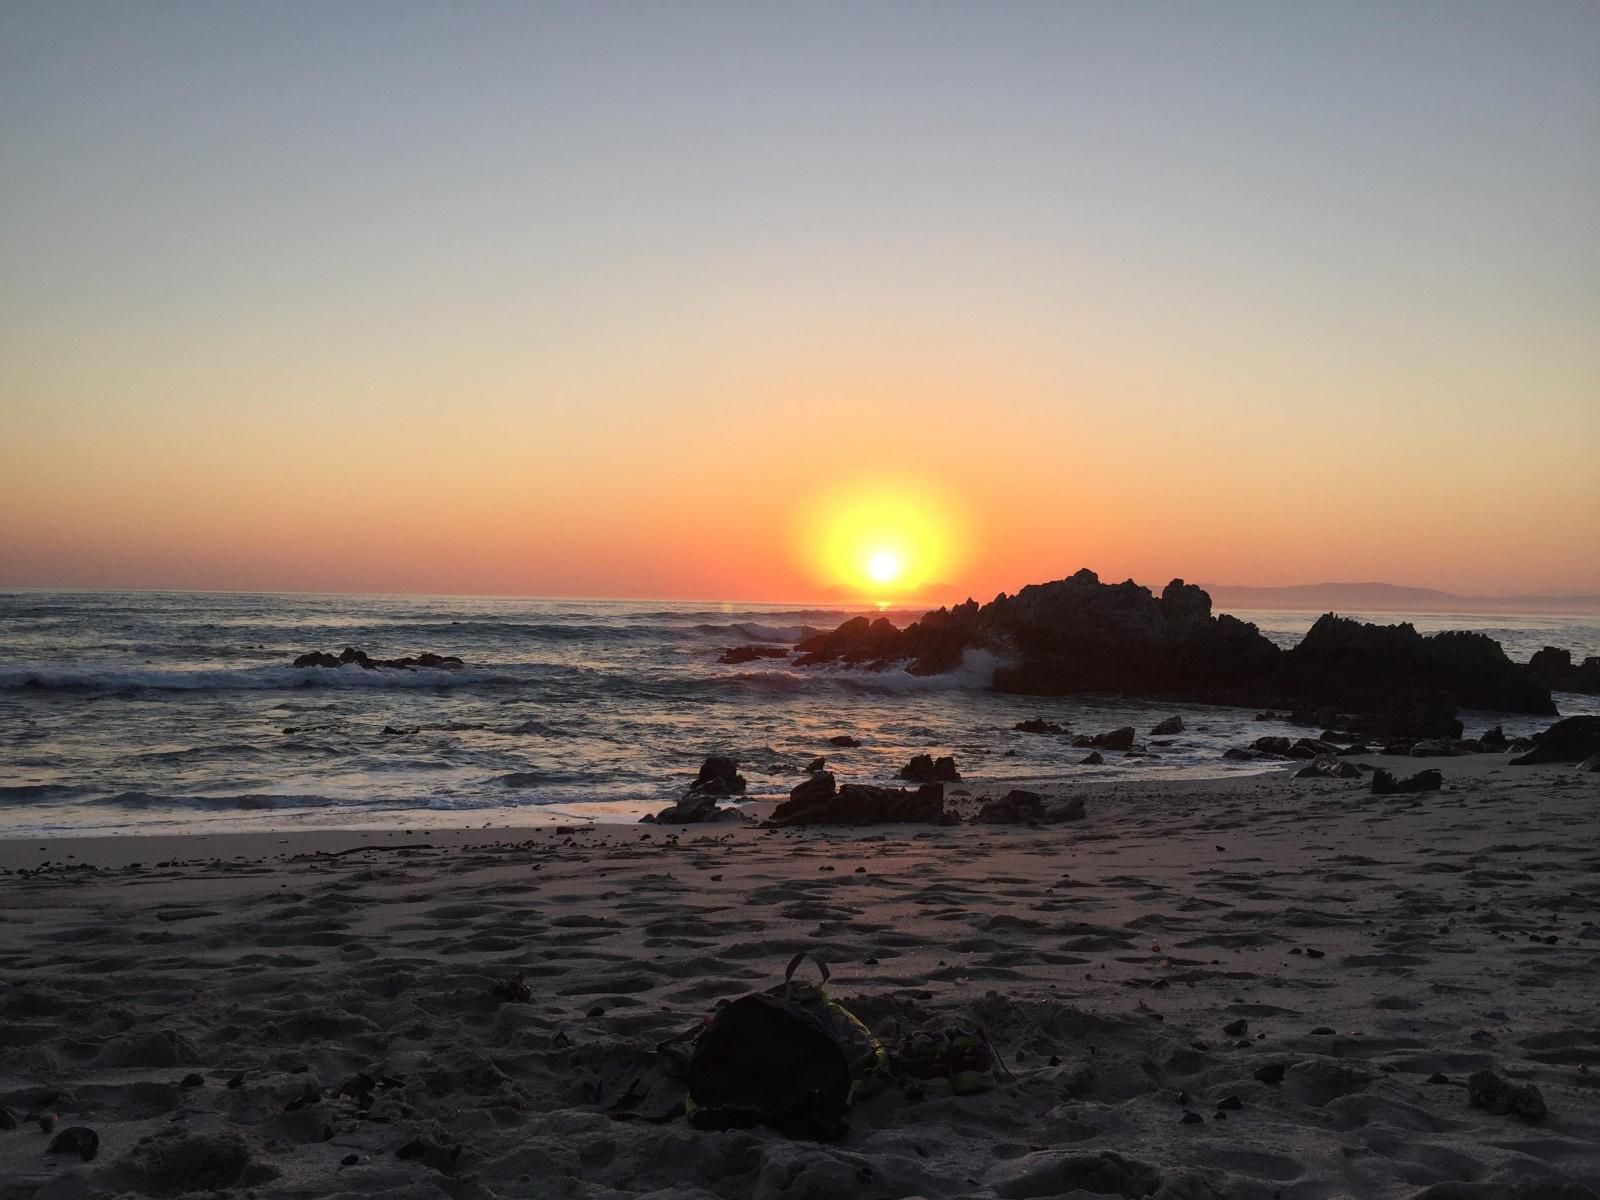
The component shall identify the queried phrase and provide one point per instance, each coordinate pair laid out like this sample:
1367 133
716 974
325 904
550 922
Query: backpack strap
788 974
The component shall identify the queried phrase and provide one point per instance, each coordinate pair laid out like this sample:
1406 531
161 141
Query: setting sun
884 566
882 538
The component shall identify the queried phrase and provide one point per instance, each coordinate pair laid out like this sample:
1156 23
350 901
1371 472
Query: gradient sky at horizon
593 299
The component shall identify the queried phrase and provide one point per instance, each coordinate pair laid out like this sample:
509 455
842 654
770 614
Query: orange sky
516 301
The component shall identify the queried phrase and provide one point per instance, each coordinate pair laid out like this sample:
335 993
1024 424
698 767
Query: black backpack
789 1057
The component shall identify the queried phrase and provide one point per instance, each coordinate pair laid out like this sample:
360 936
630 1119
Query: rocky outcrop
1327 767
1079 635
1018 807
924 768
1412 682
349 655
858 640
820 786
1037 725
719 776
1168 727
1117 739
1385 784
1555 669
744 654
1568 741
860 804
692 810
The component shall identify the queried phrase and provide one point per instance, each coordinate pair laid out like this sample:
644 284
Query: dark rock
1064 811
1117 739
692 810
1035 725
8 1119
1592 763
815 765
858 640
1093 759
1168 727
192 1080
435 662
173 1162
1272 1073
1394 674
1230 1104
513 991
1078 635
400 730
1329 767
1494 740
76 1139
860 804
1438 1077
1385 784
1241 755
744 654
1190 1118
1554 668
1571 740
844 740
1236 1028
1500 1097
817 788
1272 745
1016 807
719 776
1434 748
924 768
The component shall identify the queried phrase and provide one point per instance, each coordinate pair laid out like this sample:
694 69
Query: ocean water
181 712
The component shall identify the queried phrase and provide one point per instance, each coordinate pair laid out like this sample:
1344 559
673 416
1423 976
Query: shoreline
25 851
207 1010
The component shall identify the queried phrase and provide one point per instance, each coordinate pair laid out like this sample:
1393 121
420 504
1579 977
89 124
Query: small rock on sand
1490 1092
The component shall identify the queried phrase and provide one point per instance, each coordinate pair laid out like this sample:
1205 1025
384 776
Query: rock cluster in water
1555 669
349 655
1079 635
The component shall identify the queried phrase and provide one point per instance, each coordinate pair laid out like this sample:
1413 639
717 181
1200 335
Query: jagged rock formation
1554 668
1571 740
1079 635
816 802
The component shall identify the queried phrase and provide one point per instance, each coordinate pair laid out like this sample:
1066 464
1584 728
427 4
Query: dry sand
1453 931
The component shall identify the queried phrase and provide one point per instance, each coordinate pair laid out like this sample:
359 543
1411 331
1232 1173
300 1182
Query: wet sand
1369 944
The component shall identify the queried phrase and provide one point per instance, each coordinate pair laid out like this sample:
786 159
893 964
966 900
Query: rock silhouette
1078 635
321 658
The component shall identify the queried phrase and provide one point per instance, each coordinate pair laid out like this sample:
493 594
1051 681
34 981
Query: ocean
130 712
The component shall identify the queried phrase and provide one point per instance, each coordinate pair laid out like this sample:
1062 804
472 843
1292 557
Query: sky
613 300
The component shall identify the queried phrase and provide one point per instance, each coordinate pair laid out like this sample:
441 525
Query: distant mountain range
1387 597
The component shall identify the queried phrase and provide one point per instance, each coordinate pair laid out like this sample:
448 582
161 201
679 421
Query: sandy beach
297 1015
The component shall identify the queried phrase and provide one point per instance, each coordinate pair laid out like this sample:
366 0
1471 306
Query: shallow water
172 712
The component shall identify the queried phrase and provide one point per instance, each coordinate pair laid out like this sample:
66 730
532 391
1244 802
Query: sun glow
883 566
882 539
